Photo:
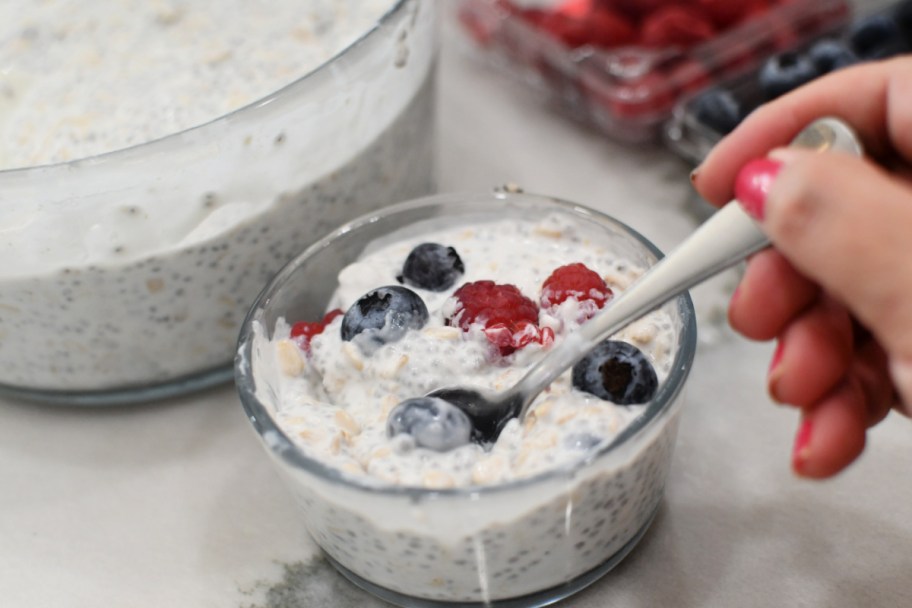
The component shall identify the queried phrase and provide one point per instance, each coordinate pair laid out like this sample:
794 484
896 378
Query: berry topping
433 423
575 281
828 55
636 8
784 72
384 315
718 109
580 22
902 14
487 303
618 372
723 13
433 267
303 331
676 26
876 37
509 318
509 338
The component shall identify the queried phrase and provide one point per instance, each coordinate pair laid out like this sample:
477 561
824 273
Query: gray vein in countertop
312 584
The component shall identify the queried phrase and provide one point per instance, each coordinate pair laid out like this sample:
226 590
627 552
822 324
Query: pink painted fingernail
801 451
753 184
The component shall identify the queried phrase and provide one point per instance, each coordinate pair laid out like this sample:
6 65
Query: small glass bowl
524 543
127 275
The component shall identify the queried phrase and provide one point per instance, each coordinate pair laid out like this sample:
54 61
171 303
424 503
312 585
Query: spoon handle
728 237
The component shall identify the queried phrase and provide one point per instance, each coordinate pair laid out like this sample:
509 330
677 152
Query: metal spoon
727 238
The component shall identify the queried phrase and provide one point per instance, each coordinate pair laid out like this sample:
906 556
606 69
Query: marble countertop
176 504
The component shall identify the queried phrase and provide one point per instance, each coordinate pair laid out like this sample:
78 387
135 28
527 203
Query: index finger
871 97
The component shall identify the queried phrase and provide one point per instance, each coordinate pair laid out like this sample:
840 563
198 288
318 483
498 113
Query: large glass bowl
523 543
126 276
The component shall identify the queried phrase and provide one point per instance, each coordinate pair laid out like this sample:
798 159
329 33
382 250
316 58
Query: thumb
846 224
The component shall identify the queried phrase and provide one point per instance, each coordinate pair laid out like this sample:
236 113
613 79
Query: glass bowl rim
112 156
283 447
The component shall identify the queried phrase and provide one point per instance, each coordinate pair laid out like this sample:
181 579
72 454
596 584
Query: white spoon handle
725 239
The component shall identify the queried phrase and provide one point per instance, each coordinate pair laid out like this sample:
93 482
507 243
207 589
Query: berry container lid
700 119
614 65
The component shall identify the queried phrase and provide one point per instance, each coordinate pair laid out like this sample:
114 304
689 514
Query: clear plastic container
526 542
126 276
628 92
701 119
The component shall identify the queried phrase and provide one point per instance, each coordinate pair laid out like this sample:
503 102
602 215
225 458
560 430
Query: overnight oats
163 159
406 493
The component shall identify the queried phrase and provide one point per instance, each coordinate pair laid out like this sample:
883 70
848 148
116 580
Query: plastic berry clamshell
622 65
699 120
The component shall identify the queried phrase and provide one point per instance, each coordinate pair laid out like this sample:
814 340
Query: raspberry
509 339
609 29
676 26
575 8
580 22
723 13
508 317
303 331
572 31
534 16
575 281
635 8
488 303
753 9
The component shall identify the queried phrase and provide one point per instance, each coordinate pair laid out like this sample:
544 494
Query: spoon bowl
724 240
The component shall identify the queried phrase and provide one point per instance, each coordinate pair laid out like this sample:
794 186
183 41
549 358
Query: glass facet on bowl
135 320
523 543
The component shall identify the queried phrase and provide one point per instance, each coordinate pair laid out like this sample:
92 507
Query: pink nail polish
801 450
777 357
753 184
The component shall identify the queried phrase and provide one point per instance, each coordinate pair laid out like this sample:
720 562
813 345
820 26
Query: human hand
836 288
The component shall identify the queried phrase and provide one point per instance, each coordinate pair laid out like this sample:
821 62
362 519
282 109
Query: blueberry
876 37
784 72
616 371
434 424
718 109
828 55
384 315
432 266
902 14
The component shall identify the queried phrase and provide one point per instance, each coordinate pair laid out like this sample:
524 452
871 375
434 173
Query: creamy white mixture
135 270
335 401
80 77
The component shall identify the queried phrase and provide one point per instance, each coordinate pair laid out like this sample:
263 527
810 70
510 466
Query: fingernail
753 184
802 450
693 175
774 374
777 357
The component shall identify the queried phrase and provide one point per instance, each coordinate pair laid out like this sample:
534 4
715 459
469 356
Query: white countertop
176 504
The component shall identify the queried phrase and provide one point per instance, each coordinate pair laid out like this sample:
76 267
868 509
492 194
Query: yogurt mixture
136 269
542 510
337 395
81 78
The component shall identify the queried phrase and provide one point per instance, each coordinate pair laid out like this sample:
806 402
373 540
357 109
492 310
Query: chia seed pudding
134 268
557 497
